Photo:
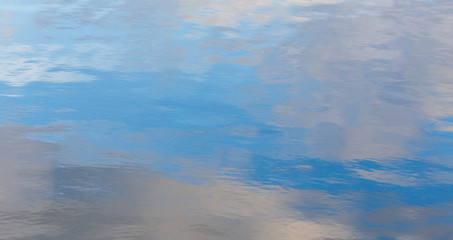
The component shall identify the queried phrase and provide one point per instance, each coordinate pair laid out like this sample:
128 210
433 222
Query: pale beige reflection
226 209
161 208
140 204
5 30
26 166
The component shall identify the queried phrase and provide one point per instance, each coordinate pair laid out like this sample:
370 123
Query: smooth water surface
216 120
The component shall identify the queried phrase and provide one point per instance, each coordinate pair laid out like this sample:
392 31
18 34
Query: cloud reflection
6 31
375 81
150 31
364 84
26 166
50 201
23 64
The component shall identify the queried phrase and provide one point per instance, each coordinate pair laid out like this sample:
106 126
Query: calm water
226 120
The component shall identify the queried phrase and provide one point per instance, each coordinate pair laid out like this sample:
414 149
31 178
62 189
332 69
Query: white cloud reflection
23 64
390 177
149 31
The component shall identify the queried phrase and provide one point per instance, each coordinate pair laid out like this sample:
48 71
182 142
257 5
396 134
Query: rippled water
241 120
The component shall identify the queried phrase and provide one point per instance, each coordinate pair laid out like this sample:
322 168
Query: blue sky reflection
292 119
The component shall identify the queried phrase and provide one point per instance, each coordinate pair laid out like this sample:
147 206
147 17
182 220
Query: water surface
250 120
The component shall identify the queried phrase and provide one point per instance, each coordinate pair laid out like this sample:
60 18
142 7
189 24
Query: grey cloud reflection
52 201
380 80
418 217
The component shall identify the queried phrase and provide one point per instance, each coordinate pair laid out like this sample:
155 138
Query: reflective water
209 119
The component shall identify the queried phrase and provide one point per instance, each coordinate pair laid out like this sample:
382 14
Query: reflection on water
292 119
